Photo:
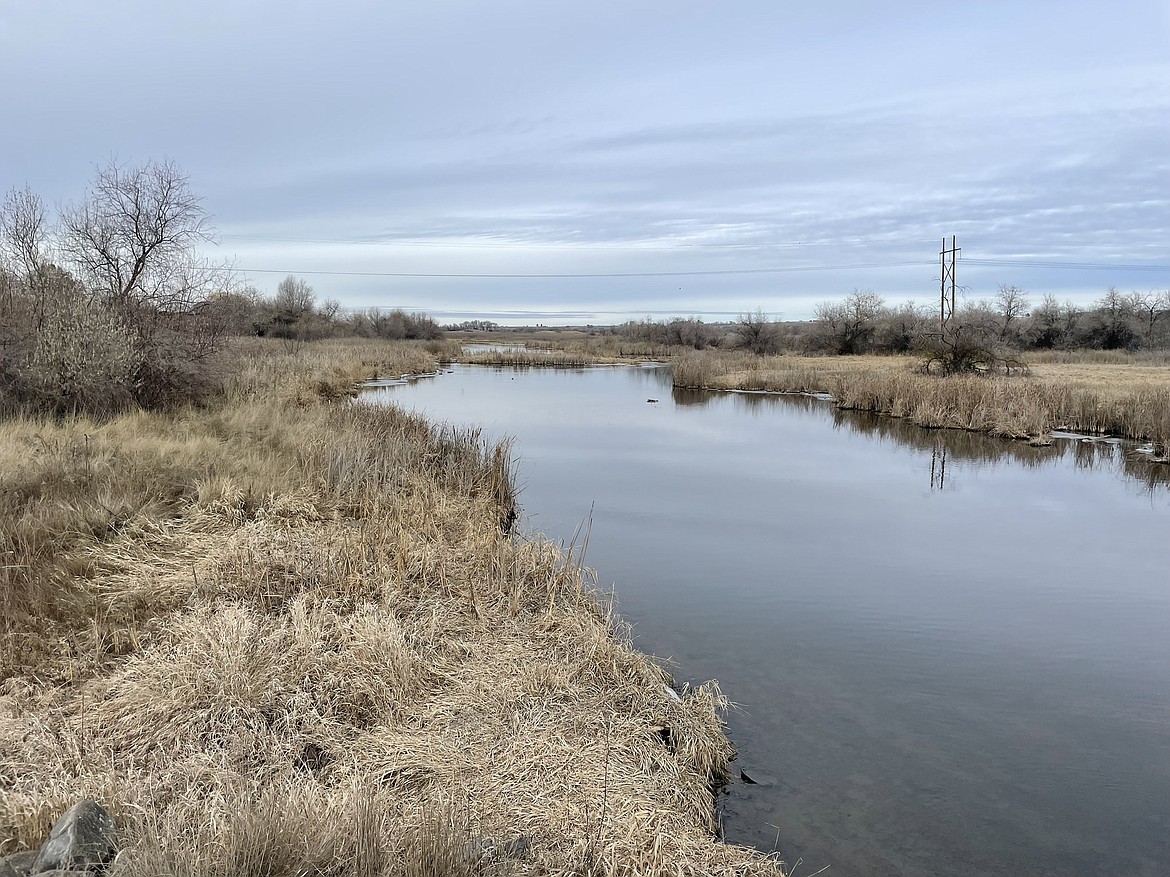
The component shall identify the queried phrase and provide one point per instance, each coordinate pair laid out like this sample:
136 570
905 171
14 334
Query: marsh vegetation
948 647
996 367
278 632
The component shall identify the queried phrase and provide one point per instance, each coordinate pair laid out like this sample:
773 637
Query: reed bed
1128 399
307 372
285 635
585 348
537 357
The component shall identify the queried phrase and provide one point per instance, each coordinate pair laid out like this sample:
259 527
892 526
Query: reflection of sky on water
959 680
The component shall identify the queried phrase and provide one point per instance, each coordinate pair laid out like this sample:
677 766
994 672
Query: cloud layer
813 147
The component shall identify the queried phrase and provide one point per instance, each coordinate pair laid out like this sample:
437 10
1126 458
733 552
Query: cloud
525 137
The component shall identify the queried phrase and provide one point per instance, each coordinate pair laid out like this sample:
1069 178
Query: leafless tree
25 235
1148 308
849 326
330 309
1111 324
26 265
1011 306
133 239
294 298
115 296
757 332
901 327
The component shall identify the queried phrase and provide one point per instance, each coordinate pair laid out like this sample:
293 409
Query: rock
83 839
21 863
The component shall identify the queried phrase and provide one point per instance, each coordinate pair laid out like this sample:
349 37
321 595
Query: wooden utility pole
946 305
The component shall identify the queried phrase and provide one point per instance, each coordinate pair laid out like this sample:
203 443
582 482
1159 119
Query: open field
285 634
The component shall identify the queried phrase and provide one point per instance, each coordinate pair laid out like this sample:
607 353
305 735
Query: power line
479 276
518 245
1078 266
990 263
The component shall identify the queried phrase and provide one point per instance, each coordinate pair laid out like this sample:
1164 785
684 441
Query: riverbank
288 634
1123 397
1096 392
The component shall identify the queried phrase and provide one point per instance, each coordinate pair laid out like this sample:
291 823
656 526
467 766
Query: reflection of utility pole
938 466
946 305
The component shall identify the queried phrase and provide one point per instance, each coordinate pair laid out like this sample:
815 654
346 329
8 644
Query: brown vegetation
1128 400
539 356
280 634
107 306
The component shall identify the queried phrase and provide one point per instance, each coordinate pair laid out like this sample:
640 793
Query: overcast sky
811 148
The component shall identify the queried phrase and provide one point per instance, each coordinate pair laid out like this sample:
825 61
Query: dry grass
573 347
306 372
1123 398
538 357
286 635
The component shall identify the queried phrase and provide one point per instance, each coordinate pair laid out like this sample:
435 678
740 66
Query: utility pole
946 305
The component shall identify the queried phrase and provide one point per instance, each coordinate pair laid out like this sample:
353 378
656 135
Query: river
949 654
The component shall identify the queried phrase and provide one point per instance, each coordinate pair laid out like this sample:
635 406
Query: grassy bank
285 634
1121 396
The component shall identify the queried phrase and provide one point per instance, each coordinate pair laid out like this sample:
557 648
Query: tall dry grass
538 357
581 347
284 634
1128 398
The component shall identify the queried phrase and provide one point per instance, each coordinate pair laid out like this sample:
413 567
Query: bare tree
1112 322
110 305
1148 308
294 298
901 327
849 326
26 262
133 239
24 235
757 332
330 309
1011 306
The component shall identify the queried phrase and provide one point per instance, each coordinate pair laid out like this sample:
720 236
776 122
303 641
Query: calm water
951 654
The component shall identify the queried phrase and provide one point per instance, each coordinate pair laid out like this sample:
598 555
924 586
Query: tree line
107 303
295 313
863 322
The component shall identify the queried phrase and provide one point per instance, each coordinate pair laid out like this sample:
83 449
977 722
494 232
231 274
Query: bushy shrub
110 306
83 358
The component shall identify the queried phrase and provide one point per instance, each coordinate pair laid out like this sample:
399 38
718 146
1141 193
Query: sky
592 162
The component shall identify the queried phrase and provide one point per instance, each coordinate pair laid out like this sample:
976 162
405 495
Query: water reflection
952 445
951 650
938 466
